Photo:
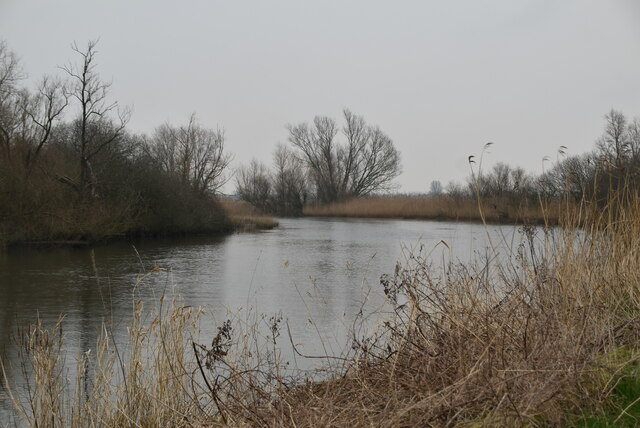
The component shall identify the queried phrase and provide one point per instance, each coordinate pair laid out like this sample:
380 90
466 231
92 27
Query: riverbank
81 234
491 210
90 226
245 217
550 337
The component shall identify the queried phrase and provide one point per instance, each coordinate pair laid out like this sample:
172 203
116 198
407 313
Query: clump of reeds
245 216
444 207
147 381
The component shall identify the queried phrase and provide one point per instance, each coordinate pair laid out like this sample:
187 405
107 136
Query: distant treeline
318 168
70 169
614 163
321 176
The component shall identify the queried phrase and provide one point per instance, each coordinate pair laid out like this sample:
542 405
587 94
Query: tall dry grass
544 338
245 216
161 375
144 382
444 207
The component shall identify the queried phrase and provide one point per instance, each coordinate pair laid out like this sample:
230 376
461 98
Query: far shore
441 208
240 217
244 217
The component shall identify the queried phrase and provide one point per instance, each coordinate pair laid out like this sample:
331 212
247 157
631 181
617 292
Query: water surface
314 272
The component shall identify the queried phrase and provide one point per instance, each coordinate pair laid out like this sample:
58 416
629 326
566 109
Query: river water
313 272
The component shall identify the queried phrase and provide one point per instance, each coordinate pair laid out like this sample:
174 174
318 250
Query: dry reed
245 216
141 383
440 208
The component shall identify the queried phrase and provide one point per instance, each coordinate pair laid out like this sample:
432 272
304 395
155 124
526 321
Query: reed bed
547 338
245 216
140 383
495 210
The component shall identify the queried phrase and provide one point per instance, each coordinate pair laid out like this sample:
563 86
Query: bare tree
162 148
435 188
10 70
456 190
521 182
366 162
193 153
26 119
499 179
97 128
633 135
43 110
613 144
373 161
253 184
208 160
318 148
289 182
11 98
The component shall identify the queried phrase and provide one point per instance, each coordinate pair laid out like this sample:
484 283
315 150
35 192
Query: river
314 272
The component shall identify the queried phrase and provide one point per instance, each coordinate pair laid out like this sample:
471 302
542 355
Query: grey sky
441 78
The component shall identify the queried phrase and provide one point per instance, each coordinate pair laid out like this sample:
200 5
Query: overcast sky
441 78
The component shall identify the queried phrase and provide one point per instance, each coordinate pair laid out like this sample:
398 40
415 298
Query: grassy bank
244 216
495 210
547 338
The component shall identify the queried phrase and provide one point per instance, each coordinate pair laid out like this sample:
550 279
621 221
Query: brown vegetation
244 216
442 207
71 171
